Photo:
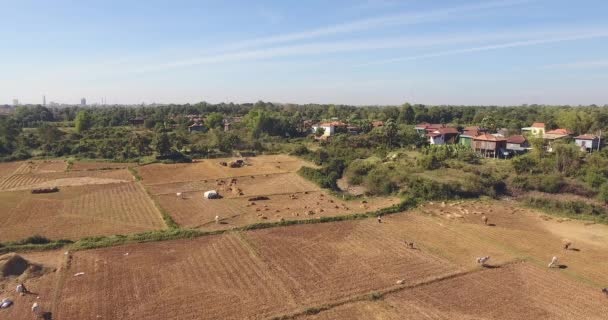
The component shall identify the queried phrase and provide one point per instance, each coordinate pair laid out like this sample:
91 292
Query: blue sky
315 51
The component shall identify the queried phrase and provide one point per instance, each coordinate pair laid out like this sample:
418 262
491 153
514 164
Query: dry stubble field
282 272
285 271
291 197
89 203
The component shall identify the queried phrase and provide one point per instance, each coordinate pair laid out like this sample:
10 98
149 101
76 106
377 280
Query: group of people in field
22 290
567 244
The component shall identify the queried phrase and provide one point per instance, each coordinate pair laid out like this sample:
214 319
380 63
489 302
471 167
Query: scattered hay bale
45 190
258 198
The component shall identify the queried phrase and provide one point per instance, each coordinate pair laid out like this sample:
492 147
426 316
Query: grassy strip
21 246
134 173
579 210
150 236
70 165
171 224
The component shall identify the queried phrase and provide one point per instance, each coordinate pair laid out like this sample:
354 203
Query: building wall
465 141
437 140
588 144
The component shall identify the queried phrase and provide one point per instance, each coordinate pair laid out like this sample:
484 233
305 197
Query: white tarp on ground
5 303
211 194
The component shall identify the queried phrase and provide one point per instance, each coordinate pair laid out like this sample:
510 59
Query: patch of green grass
34 243
134 173
150 236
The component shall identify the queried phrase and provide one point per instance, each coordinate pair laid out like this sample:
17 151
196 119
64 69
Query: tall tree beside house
489 123
214 120
83 121
407 115
390 132
578 121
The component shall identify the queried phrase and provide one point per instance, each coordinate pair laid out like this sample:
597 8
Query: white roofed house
537 129
443 136
329 128
587 142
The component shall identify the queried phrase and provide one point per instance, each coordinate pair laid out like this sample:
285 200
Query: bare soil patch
93 165
211 169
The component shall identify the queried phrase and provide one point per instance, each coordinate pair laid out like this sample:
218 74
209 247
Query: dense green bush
378 182
551 183
575 209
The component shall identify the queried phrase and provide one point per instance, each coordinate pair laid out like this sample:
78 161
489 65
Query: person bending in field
21 289
379 219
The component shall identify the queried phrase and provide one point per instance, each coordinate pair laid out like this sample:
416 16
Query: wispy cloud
514 44
517 39
589 64
407 18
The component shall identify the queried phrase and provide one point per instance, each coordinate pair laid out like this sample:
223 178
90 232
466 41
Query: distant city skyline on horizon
359 52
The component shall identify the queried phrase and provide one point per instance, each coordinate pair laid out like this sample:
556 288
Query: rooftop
488 137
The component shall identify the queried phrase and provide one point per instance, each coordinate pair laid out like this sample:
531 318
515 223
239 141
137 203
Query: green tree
320 131
489 123
83 121
162 144
407 115
48 134
9 131
603 194
390 132
214 120
524 164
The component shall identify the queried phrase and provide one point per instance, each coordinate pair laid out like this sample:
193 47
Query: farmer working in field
21 289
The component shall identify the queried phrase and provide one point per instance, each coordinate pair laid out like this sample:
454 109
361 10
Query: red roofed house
588 142
489 145
537 129
473 131
443 136
560 131
425 128
554 135
517 143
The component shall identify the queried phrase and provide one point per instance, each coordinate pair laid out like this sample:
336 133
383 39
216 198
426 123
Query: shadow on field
562 266
490 266
491 225
575 249
47 316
